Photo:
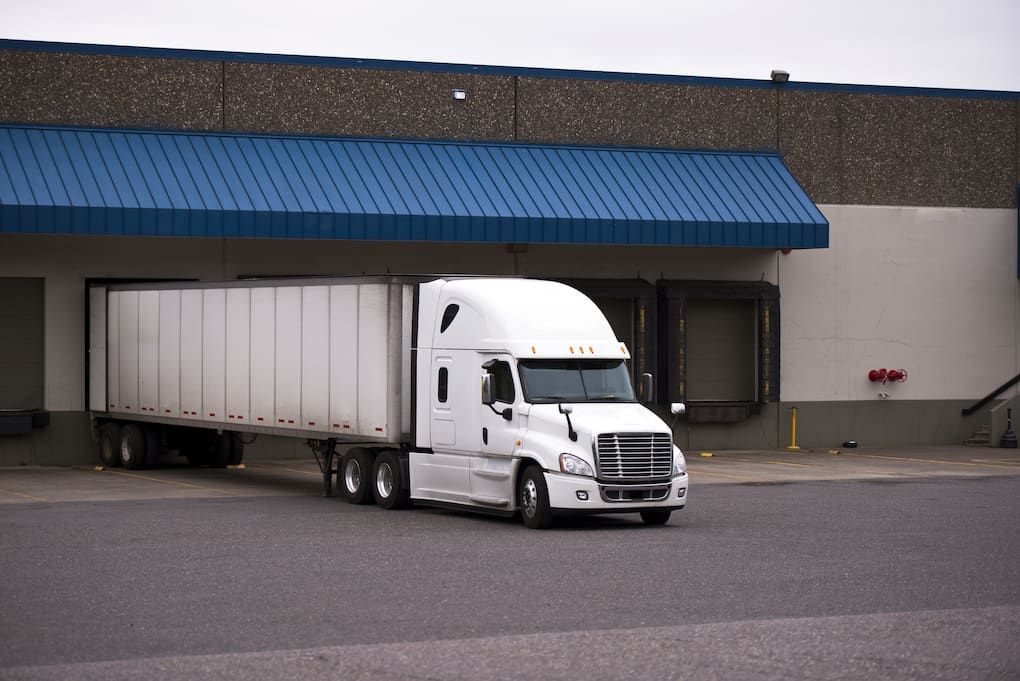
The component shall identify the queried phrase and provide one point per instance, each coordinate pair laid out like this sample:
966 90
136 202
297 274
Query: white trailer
502 395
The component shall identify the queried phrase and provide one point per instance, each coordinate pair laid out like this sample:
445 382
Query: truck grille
634 457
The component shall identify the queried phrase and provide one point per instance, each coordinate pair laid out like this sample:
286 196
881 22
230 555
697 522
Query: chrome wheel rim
125 449
352 476
529 497
384 481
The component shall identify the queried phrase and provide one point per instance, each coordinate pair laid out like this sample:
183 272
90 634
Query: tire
389 482
109 444
220 450
236 450
533 496
356 476
132 446
153 446
655 517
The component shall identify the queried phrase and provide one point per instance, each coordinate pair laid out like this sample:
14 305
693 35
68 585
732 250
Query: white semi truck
500 395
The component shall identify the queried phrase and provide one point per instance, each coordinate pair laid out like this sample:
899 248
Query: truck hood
589 420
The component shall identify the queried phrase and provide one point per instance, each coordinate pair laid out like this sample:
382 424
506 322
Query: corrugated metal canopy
82 181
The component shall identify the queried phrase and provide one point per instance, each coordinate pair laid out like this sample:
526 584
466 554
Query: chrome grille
634 457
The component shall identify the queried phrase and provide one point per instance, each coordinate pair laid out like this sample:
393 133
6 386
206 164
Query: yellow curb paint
718 475
950 463
100 468
707 454
172 482
286 470
238 467
833 451
21 494
787 463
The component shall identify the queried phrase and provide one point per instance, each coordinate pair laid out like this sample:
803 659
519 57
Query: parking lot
300 477
871 563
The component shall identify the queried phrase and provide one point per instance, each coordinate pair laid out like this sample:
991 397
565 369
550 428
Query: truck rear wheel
109 444
655 517
356 476
132 446
533 496
391 491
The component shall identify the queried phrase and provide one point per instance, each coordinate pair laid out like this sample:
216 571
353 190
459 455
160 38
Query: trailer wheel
109 444
219 451
533 496
356 476
655 517
236 450
391 491
153 446
132 446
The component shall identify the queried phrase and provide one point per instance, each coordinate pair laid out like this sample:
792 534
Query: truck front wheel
655 517
356 476
533 497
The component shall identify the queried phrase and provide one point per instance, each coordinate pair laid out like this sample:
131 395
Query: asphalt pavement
872 564
301 477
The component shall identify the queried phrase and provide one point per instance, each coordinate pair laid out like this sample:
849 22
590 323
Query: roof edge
491 70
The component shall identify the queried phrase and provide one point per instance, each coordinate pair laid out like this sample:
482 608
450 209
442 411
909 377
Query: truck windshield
575 380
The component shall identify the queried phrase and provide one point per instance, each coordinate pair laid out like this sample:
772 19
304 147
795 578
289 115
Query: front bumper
579 494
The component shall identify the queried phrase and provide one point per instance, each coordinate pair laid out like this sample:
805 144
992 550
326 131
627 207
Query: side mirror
487 396
647 386
678 408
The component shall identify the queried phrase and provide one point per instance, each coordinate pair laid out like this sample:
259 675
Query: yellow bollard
793 429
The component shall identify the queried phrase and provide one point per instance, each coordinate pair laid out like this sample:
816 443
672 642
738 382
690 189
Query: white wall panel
214 354
288 355
238 354
191 353
170 353
315 357
128 343
930 290
343 350
148 351
263 356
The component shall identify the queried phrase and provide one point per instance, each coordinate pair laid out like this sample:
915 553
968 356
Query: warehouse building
760 245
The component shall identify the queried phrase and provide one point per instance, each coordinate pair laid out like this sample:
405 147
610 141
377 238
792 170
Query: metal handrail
991 396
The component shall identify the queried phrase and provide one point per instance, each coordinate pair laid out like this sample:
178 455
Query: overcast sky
972 44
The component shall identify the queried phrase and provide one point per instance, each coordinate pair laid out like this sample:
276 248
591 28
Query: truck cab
524 404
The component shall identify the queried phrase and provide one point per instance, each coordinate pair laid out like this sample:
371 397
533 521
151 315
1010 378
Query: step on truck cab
501 395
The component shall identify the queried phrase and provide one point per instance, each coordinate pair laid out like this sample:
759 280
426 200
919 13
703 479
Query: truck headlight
679 462
575 466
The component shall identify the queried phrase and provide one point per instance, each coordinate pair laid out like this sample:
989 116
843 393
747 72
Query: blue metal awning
85 181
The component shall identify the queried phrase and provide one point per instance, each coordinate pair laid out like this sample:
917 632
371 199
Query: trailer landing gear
328 460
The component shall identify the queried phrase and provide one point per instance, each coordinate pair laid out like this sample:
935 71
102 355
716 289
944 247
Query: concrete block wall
845 146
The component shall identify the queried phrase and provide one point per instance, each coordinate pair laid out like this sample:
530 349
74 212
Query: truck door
499 433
